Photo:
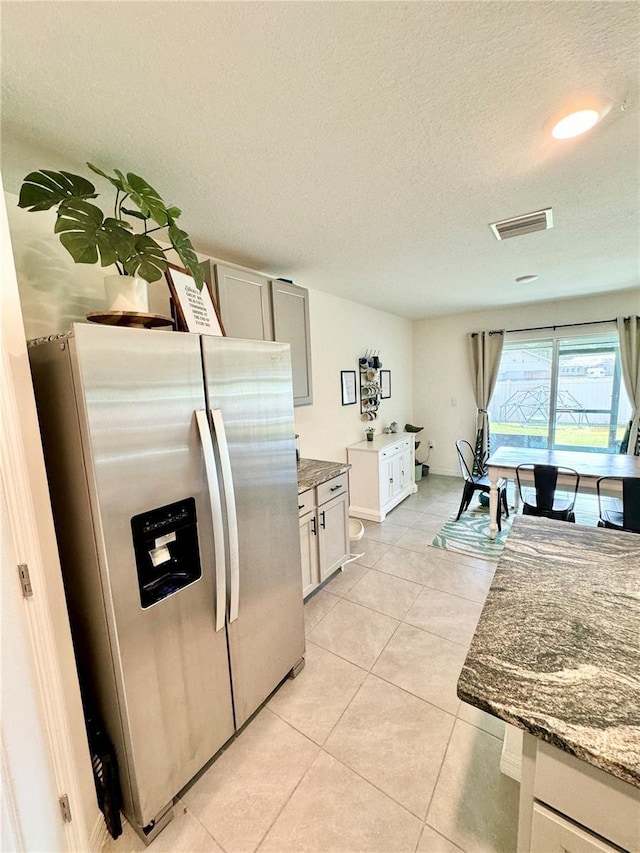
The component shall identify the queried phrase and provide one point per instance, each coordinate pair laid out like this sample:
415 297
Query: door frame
44 615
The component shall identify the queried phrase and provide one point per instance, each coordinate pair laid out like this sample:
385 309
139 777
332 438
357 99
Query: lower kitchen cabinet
382 474
324 531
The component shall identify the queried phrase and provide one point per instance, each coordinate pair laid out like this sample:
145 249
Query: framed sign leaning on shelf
195 309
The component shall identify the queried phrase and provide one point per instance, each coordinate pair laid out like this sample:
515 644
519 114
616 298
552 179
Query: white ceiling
360 148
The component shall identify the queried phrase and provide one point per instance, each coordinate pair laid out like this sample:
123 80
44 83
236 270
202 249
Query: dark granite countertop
314 472
556 651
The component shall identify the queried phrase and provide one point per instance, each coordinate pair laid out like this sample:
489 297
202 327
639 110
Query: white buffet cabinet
381 475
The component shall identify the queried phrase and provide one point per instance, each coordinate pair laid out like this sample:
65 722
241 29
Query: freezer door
138 392
250 396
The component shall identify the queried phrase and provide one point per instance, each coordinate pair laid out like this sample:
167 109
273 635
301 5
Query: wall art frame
385 384
348 387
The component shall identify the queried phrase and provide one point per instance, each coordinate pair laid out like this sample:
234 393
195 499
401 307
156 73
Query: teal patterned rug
470 535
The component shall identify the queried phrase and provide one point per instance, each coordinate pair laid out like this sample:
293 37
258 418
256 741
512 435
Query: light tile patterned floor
369 749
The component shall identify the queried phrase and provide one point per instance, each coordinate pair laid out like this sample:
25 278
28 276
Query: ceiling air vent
541 220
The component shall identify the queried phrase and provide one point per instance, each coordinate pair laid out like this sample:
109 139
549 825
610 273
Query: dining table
590 466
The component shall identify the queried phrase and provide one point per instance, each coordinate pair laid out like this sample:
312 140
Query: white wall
341 331
56 292
443 397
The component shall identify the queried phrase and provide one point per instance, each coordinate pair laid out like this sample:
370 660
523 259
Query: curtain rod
542 328
564 325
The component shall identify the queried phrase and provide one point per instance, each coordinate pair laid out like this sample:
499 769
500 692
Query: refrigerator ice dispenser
165 542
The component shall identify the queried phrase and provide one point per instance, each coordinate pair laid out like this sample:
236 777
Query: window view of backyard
565 394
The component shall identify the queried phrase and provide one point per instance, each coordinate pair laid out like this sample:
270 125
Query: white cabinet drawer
401 445
331 489
597 800
390 451
551 833
306 501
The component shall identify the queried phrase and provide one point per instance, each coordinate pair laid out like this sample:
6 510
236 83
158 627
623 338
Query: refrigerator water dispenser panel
165 542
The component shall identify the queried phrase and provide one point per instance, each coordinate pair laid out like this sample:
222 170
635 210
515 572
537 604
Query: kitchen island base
555 654
570 806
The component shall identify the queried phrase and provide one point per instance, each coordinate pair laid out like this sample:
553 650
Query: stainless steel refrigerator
172 469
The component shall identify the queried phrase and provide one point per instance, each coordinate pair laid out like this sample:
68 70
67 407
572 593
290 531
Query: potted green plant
370 432
89 236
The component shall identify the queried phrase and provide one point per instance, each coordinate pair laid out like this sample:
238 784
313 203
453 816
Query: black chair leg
504 502
467 494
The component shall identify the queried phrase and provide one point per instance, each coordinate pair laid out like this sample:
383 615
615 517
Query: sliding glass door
561 393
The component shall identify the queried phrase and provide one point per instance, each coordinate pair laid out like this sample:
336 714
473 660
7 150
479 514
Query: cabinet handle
313 526
391 479
322 520
335 488
300 506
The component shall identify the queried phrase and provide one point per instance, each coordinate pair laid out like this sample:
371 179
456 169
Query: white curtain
629 336
486 351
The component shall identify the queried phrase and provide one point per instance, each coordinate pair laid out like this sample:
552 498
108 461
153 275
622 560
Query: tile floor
369 749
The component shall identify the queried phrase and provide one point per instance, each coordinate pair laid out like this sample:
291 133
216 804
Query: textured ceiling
360 148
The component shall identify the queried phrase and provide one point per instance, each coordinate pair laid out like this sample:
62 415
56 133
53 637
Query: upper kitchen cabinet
244 303
253 306
290 305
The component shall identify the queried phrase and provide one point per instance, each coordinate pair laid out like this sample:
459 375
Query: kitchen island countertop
556 651
314 472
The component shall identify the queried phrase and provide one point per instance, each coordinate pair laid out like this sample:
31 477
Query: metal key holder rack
370 389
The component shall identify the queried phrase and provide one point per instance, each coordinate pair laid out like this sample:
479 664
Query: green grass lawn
570 435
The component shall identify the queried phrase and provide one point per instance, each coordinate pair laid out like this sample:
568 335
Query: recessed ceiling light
575 123
525 279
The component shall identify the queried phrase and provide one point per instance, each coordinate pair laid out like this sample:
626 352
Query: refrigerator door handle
216 516
232 520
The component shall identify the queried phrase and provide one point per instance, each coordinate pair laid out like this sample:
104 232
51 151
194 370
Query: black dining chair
477 483
544 499
629 517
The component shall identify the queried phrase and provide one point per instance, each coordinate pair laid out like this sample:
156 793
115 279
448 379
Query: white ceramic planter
126 293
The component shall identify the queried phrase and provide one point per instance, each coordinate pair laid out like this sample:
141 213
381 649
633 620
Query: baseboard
99 835
443 472
367 514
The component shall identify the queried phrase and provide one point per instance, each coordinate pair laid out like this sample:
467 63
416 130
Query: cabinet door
291 325
309 552
387 480
405 468
244 303
399 474
333 523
